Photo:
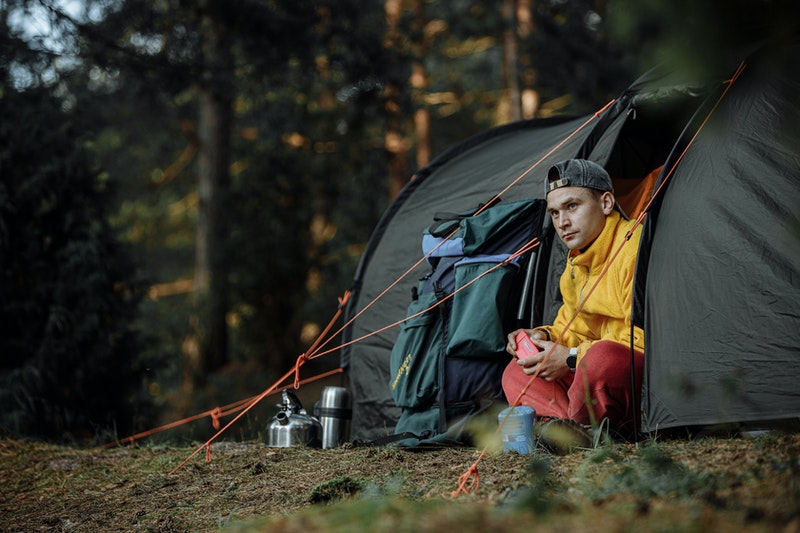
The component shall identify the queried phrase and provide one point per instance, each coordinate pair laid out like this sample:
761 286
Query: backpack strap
390 439
444 222
441 281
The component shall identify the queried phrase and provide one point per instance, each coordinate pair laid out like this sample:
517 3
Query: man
584 371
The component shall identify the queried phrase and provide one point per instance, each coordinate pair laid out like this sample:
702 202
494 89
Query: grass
711 484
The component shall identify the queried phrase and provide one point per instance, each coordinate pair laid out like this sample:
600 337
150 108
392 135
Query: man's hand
511 347
551 362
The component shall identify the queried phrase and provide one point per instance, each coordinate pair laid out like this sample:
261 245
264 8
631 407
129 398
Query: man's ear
607 201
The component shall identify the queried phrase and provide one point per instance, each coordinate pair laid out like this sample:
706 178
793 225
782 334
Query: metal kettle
292 426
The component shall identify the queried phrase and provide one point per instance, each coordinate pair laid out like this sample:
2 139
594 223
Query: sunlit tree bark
419 85
510 62
396 143
529 96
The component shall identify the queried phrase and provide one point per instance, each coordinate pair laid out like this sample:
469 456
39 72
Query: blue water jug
516 429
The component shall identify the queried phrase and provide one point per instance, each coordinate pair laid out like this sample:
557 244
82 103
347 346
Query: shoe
562 435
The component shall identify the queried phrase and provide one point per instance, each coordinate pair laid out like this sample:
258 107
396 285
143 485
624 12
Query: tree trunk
529 97
206 345
395 141
419 86
512 99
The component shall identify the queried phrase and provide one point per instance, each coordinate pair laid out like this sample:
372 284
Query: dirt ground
710 484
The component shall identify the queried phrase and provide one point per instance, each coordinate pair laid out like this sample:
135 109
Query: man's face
579 214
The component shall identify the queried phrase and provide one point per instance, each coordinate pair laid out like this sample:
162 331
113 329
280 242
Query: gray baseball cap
578 173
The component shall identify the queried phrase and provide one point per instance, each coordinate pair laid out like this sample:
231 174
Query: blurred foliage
70 364
699 38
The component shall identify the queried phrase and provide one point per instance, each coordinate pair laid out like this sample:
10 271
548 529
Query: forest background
186 186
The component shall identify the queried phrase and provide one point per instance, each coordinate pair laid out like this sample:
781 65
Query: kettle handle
291 402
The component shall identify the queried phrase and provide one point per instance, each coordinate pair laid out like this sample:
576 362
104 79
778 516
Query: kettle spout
282 417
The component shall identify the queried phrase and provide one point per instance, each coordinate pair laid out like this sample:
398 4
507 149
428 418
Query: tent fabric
722 307
717 284
459 180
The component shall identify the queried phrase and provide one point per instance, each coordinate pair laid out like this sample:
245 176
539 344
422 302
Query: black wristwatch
572 359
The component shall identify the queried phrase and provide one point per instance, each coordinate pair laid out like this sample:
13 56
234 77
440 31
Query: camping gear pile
329 427
715 167
447 362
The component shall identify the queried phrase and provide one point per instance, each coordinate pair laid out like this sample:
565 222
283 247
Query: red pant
602 381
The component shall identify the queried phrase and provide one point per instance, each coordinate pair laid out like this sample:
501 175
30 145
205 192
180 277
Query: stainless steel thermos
334 412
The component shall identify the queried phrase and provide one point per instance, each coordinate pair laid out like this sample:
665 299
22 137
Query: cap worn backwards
578 173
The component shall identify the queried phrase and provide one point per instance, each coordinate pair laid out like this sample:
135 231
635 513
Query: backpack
447 363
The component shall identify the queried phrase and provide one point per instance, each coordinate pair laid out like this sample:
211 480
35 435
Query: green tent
718 283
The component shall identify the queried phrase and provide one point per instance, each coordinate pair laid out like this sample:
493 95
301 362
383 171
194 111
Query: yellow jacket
606 313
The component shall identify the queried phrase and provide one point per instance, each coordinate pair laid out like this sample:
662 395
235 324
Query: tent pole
633 389
526 289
